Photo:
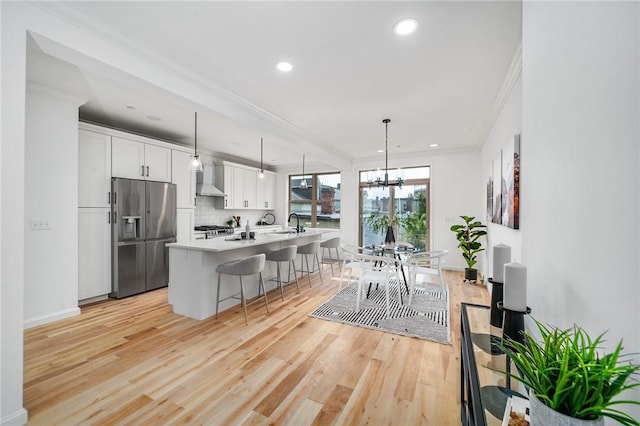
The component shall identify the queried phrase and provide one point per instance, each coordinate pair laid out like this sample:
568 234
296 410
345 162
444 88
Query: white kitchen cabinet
94 252
228 174
266 191
240 186
184 225
94 169
157 163
244 188
184 178
138 160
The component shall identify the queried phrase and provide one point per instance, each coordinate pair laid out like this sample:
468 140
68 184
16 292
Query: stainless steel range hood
205 183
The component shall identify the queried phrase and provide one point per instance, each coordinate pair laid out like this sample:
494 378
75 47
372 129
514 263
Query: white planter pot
541 415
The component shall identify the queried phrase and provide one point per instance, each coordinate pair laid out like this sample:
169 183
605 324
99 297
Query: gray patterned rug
426 318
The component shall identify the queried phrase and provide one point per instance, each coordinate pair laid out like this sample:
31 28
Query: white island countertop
234 242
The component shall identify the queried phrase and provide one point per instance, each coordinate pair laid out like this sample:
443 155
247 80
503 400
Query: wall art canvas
496 217
510 184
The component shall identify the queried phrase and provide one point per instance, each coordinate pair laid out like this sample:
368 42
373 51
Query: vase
470 274
541 415
389 239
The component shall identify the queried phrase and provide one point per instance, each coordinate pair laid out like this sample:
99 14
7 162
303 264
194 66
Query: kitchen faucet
298 227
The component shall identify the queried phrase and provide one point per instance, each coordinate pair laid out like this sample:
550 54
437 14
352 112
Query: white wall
13 63
581 183
51 194
508 124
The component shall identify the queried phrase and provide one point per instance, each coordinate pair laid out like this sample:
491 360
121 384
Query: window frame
419 181
314 196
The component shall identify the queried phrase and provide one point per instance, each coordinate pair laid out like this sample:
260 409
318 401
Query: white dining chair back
428 264
382 270
349 255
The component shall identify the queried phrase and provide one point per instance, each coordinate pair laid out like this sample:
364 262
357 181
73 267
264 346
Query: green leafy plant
468 236
414 223
566 373
380 222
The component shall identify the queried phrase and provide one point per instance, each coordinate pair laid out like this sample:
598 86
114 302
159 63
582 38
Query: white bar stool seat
331 243
285 254
305 250
248 266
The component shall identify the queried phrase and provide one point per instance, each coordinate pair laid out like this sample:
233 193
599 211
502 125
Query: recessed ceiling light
434 145
154 118
405 27
284 66
381 150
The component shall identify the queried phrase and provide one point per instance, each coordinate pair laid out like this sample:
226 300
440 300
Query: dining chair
382 270
349 261
427 263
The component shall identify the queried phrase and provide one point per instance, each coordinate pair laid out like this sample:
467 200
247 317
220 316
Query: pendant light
261 175
385 182
195 163
303 182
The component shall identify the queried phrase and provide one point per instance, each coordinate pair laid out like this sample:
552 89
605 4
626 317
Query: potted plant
468 236
568 379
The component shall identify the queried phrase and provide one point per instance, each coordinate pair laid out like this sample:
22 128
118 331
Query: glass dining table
397 251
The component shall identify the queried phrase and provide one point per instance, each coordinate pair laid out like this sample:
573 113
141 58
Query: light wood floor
134 362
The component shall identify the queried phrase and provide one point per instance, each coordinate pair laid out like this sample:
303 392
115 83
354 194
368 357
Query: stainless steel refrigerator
143 221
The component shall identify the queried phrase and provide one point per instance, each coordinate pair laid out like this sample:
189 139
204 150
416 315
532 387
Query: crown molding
508 83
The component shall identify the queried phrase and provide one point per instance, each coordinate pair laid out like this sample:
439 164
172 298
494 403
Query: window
318 205
410 212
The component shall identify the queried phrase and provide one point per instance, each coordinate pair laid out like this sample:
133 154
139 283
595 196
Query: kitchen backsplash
207 214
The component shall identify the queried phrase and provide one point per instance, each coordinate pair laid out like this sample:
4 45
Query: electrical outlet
39 225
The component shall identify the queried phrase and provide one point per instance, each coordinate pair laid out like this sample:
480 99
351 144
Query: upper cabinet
137 160
244 189
94 169
266 191
184 178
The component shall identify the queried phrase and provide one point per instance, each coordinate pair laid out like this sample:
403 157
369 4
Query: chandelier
379 180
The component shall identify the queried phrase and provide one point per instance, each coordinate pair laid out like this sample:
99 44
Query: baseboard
92 300
46 319
17 418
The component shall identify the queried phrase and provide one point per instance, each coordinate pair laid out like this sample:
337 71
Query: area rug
427 317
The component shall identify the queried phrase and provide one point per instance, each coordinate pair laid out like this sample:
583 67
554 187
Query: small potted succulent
468 236
569 382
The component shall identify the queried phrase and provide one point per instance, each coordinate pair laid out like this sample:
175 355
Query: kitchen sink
288 231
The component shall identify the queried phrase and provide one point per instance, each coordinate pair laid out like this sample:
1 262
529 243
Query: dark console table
483 392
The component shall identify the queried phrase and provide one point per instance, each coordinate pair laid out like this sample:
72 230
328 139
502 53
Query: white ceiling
438 85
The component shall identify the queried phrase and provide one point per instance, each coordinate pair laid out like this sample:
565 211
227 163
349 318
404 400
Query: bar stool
248 266
307 249
331 243
285 254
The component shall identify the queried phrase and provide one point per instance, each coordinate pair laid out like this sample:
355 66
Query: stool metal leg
318 262
279 280
308 269
266 303
294 268
244 301
218 296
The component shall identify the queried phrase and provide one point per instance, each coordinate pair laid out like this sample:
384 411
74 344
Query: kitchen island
192 269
